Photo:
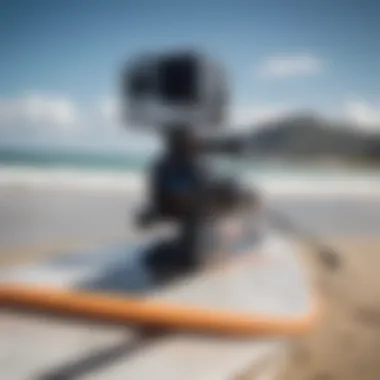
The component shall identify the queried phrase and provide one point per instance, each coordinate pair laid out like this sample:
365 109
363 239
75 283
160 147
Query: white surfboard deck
274 285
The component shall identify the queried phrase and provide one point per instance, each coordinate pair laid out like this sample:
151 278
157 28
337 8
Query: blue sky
281 55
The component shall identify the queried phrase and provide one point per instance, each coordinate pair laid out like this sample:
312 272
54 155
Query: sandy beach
345 344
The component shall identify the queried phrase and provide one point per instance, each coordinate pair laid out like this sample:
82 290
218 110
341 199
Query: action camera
176 87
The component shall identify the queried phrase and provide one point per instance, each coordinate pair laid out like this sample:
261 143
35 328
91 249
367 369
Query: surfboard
258 291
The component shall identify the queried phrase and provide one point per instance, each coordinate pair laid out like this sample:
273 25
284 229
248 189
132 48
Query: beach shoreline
350 185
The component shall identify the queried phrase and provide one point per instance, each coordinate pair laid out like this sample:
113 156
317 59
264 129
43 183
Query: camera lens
177 79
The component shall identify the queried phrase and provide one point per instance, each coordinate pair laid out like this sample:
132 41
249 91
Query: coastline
354 184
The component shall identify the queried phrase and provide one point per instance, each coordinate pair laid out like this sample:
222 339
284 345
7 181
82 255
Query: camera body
177 87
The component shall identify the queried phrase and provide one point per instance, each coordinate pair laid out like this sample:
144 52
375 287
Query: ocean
137 161
120 170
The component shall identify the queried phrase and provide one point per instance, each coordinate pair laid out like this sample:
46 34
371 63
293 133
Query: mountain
311 137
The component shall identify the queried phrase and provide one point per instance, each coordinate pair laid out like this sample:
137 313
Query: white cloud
33 119
284 66
35 116
114 128
110 110
363 114
38 111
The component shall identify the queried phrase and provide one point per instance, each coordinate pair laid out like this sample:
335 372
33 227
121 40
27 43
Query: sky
60 60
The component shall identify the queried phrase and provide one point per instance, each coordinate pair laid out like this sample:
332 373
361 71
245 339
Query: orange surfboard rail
119 310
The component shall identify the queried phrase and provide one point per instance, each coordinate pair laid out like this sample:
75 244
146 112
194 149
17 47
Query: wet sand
345 344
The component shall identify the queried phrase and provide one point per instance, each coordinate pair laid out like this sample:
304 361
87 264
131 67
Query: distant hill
312 138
